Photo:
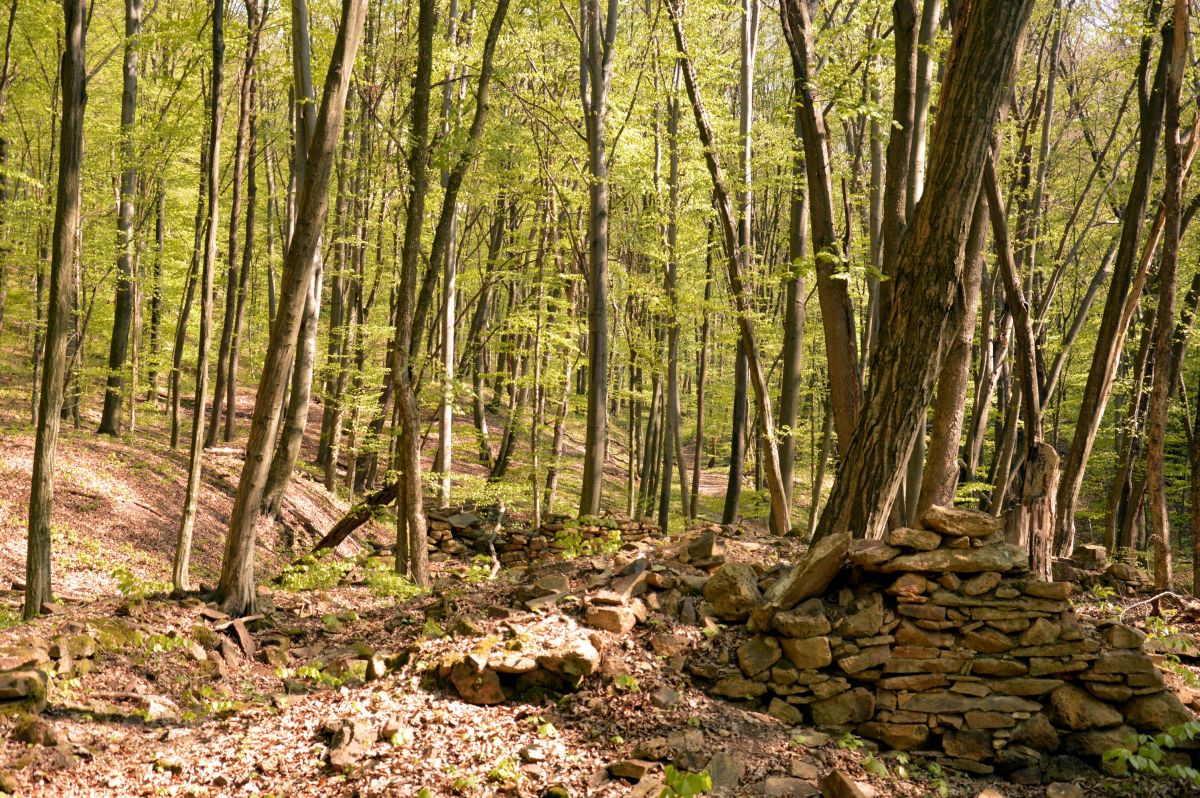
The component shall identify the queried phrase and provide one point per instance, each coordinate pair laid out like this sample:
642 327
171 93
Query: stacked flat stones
458 533
937 640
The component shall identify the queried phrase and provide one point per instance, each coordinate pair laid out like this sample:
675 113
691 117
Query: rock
864 617
1096 742
785 712
919 539
900 736
664 698
870 552
1062 789
350 743
575 659
1157 712
837 784
726 772
705 547
666 644
738 687
851 707
1090 556
35 730
23 690
1040 633
1069 769
1123 662
619 620
1077 709
462 521
9 783
476 683
975 745
908 585
961 522
806 620
77 646
1001 557
812 576
808 654
733 591
631 769
758 654
1118 635
978 585
785 787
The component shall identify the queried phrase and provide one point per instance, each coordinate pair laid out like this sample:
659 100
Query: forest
479 397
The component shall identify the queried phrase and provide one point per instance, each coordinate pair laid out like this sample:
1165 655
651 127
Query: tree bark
183 547
1162 381
73 73
981 64
110 417
236 587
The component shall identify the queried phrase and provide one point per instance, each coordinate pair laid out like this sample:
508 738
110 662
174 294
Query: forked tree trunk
62 268
982 62
236 587
1162 381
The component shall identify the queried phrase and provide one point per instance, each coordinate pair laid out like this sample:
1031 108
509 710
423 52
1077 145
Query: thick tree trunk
904 369
236 587
110 417
62 268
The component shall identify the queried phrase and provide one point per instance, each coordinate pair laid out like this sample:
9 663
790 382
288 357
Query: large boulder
813 576
961 522
1077 709
733 591
1000 557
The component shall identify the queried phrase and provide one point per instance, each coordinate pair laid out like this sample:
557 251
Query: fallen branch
358 515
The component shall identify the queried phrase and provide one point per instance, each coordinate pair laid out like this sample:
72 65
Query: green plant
318 571
626 684
1147 754
850 741
384 582
875 767
134 587
682 783
1104 595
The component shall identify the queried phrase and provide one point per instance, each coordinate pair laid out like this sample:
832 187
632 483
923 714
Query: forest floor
171 698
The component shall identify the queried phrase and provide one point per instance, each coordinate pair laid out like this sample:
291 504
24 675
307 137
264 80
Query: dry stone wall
937 640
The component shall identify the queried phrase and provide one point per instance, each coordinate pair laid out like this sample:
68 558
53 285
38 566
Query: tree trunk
236 587
1161 382
183 546
904 369
110 417
1112 329
62 268
596 59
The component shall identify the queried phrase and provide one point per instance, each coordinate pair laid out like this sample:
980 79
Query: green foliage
320 571
385 582
625 683
682 783
1146 756
573 543
134 587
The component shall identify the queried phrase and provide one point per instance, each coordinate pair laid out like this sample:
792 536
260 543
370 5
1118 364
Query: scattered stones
837 784
631 769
